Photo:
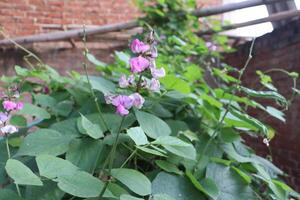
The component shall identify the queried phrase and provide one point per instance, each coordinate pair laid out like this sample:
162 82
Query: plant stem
89 82
131 155
112 158
9 156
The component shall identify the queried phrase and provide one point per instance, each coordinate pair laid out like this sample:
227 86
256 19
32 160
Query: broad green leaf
265 94
168 167
102 85
152 125
67 127
134 180
91 129
21 174
229 135
230 185
84 153
244 176
138 136
21 71
52 167
232 153
193 72
208 187
6 194
177 187
35 111
44 100
177 146
80 184
275 113
211 100
49 191
171 82
95 61
18 120
3 159
170 140
63 108
151 151
45 141
70 179
128 197
162 197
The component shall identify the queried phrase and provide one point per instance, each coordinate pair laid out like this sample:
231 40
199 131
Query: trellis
202 12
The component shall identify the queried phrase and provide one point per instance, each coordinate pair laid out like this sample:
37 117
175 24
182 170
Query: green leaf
265 94
168 167
45 141
171 82
21 174
44 100
137 135
211 100
128 197
122 57
35 111
208 187
21 71
177 146
152 125
69 178
275 113
84 153
230 184
95 61
134 180
63 108
18 120
162 197
6 194
49 191
102 85
93 130
176 187
68 127
193 72
80 184
244 176
229 135
151 151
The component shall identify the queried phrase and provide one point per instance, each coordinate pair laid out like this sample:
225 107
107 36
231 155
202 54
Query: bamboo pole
272 18
204 12
72 34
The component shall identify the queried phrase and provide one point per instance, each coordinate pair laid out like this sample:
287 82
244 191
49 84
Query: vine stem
219 125
9 156
89 81
112 158
131 155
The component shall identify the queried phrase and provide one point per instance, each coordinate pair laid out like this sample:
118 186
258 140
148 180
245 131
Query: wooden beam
63 35
204 12
272 18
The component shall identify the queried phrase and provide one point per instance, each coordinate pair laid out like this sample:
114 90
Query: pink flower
19 105
138 100
158 73
108 98
121 110
9 129
123 100
154 53
131 79
138 46
123 82
9 105
3 118
154 85
138 64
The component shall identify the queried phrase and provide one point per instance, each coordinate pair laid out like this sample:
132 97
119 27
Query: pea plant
165 121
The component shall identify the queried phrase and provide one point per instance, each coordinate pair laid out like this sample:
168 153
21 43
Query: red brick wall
26 17
279 49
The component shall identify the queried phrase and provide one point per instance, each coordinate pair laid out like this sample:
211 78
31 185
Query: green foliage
185 144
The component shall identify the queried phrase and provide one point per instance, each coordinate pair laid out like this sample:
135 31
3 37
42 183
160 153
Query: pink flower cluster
9 106
143 61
